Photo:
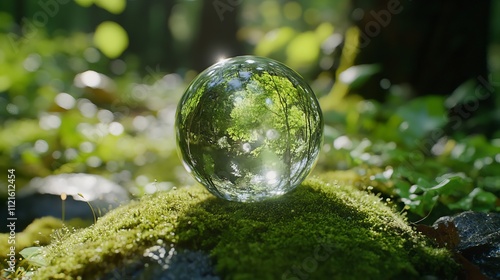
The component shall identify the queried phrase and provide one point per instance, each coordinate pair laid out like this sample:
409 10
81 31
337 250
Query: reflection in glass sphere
249 128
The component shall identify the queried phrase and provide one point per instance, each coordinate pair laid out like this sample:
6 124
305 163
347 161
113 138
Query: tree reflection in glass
249 128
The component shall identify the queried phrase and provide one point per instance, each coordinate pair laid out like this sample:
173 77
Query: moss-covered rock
318 231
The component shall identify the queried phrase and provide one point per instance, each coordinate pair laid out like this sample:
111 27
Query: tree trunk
217 34
434 46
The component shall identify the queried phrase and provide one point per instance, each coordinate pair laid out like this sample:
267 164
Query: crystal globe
249 128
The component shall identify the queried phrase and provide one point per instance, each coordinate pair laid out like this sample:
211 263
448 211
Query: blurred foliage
403 152
82 98
57 116
111 39
112 6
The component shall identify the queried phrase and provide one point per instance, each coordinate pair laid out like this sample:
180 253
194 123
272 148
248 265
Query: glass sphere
249 128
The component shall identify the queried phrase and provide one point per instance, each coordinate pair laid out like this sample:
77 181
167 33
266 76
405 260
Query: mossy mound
318 231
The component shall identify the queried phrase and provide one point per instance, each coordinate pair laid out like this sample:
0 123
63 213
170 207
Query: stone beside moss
318 231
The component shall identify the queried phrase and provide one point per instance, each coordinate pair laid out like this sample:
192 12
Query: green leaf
461 93
402 188
423 115
484 201
356 76
448 185
409 174
422 204
34 255
424 184
478 200
490 183
111 39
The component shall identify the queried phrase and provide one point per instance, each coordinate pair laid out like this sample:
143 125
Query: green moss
318 231
37 233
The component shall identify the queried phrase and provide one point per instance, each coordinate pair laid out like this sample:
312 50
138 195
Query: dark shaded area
145 21
434 46
216 35
150 36
165 263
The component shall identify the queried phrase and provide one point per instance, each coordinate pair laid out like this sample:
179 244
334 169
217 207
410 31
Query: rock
479 239
162 263
42 197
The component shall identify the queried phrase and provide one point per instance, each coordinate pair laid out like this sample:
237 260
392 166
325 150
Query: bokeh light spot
116 128
65 101
49 121
41 146
32 62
